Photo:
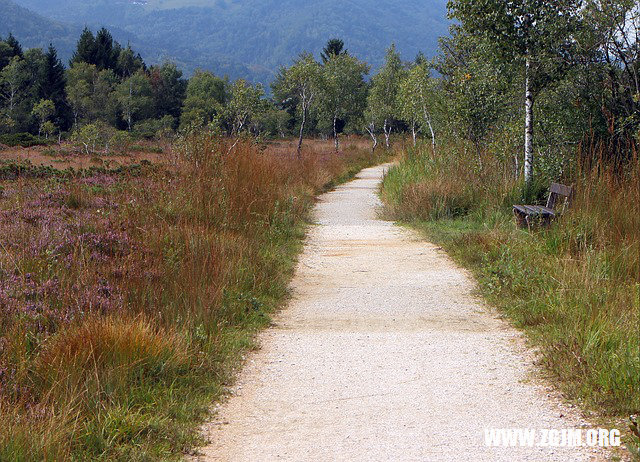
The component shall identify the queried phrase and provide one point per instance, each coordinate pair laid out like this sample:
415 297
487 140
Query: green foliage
80 81
205 98
302 82
274 122
537 30
43 111
52 87
154 128
382 102
343 91
120 141
245 105
135 97
13 80
333 48
24 140
85 49
478 91
418 99
93 136
169 89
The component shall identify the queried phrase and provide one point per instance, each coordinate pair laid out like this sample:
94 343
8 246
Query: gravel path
383 354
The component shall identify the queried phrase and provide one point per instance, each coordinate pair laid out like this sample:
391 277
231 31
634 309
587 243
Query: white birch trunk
413 132
371 129
129 111
427 117
304 120
528 127
335 134
433 136
387 133
306 97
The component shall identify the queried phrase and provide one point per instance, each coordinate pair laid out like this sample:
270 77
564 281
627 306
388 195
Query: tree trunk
433 136
387 133
427 117
413 132
335 134
528 127
371 129
304 120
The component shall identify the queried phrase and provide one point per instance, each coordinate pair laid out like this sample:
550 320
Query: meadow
130 291
574 287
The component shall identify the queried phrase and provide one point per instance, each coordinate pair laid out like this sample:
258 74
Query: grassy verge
574 287
127 297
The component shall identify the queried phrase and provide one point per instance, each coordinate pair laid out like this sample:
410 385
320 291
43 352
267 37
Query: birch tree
537 33
371 120
43 111
205 98
343 90
245 103
12 81
135 98
415 100
382 102
302 82
80 79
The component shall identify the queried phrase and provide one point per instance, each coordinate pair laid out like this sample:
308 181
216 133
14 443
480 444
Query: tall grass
574 287
127 298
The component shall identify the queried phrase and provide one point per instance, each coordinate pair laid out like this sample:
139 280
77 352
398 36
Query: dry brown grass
130 295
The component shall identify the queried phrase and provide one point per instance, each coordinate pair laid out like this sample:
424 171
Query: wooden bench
529 215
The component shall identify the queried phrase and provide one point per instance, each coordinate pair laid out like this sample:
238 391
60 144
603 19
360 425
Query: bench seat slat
534 210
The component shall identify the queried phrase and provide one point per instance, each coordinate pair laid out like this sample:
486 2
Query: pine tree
106 52
86 48
52 87
128 63
15 46
334 47
169 89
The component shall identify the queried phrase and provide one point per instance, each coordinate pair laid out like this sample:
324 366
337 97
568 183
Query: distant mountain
33 30
252 38
36 31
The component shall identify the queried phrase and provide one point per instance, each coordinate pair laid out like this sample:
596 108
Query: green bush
154 128
24 140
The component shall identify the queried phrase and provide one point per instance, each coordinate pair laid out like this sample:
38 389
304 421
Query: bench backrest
556 191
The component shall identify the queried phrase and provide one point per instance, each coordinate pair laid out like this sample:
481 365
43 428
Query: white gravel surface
383 354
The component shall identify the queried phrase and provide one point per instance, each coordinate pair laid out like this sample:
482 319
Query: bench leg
521 219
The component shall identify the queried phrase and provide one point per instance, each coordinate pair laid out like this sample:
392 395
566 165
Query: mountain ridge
253 38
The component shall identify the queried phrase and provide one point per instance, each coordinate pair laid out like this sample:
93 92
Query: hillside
34 30
252 38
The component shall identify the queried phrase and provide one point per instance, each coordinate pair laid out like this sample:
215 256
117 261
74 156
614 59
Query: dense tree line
105 84
506 72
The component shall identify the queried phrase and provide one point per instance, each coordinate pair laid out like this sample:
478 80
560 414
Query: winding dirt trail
383 354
